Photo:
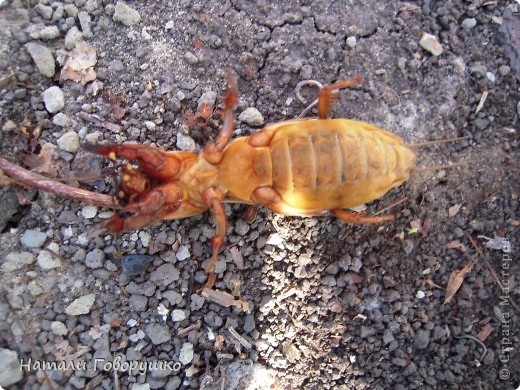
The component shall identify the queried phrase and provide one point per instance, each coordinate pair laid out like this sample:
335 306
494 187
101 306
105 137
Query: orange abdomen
336 163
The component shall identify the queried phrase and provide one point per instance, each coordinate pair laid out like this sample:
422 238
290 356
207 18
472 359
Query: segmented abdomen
337 163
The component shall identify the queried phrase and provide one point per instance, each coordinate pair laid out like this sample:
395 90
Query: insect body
297 167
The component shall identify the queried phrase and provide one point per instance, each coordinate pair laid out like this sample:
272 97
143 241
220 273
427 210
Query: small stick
33 180
491 269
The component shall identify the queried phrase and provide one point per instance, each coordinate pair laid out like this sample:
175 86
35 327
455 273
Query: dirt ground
330 305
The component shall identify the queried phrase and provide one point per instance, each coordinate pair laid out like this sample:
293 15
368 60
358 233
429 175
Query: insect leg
214 151
156 163
213 198
360 218
326 96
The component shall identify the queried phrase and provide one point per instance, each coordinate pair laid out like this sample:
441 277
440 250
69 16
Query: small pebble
84 21
186 354
185 142
42 57
69 142
33 238
81 305
125 14
134 265
252 117
10 372
72 37
9 126
197 302
430 43
53 99
468 23
138 302
351 42
44 10
59 328
190 58
60 119
47 260
164 275
169 25
178 315
421 339
158 334
40 31
89 212
95 258
183 253
274 239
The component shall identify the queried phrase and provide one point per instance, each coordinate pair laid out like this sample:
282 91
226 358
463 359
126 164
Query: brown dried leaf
426 226
456 244
118 112
455 281
224 299
80 64
112 127
453 210
44 161
485 332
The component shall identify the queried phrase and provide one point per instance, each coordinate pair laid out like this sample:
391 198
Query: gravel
329 304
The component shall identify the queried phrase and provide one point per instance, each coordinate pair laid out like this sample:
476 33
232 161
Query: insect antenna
438 142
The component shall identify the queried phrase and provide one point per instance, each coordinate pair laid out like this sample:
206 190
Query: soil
331 305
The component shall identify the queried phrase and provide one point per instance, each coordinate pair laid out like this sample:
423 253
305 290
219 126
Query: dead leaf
456 244
426 226
455 281
481 102
485 332
453 210
80 64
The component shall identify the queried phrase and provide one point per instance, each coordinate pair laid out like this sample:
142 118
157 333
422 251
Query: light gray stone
82 305
69 142
33 238
53 99
125 14
72 37
252 117
186 354
42 57
10 372
430 43
158 334
60 119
